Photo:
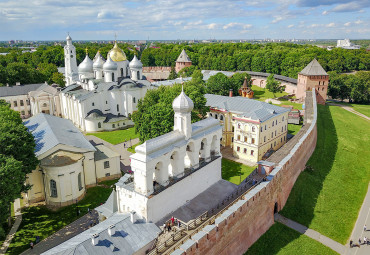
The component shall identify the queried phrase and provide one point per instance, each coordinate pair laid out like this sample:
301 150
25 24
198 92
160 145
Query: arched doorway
214 149
189 155
202 151
173 168
276 210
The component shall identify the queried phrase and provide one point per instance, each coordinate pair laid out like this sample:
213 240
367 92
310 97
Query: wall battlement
238 227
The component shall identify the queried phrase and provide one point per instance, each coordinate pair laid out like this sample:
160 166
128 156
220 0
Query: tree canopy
17 158
273 85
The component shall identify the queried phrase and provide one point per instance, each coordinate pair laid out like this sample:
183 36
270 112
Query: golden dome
116 54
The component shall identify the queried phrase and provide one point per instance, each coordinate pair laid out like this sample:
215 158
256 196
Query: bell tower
70 61
182 106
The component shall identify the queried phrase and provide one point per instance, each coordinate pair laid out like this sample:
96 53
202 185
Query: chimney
111 230
230 93
95 239
133 217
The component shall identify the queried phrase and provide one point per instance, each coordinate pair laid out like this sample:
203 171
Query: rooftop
50 131
103 152
245 107
183 57
19 89
313 68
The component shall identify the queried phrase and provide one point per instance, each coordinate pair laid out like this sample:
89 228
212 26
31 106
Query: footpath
13 230
341 249
350 109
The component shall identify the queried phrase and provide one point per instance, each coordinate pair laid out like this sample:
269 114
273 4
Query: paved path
69 231
120 148
358 230
341 249
350 109
13 230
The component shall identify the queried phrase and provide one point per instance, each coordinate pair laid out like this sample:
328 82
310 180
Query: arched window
221 117
121 72
112 76
273 123
323 83
99 125
134 100
252 152
79 182
210 114
53 189
117 107
319 83
245 150
216 116
138 75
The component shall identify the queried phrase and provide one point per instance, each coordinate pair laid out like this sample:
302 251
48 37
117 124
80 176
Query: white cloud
237 25
347 24
325 12
358 22
332 24
212 26
290 26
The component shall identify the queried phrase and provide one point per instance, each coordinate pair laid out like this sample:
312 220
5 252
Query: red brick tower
182 61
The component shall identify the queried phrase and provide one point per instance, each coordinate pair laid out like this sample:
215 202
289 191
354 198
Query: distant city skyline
176 19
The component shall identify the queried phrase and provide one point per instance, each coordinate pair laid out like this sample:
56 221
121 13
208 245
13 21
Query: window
107 174
245 150
79 182
134 100
15 103
265 127
238 148
245 139
282 119
273 123
210 114
285 127
53 189
216 116
93 104
252 140
112 76
264 139
106 102
275 132
276 122
281 140
239 126
272 134
106 164
233 129
99 125
252 152
284 138
282 129
221 117
28 102
138 75
261 129
319 83
113 125
323 83
238 138
253 129
121 72
117 107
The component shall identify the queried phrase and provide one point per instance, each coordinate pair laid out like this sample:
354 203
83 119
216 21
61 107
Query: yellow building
252 128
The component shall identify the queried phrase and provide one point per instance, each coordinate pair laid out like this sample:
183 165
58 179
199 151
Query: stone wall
237 228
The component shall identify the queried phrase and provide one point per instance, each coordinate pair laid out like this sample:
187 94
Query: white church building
101 95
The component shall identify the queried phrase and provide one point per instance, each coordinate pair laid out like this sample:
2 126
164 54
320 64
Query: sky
183 19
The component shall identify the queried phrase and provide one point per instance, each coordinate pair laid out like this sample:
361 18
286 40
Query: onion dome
116 54
136 63
110 65
86 66
99 62
182 103
68 38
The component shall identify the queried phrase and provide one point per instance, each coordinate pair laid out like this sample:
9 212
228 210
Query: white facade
173 168
104 96
70 61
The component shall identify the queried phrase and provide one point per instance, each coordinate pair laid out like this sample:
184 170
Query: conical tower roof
313 68
183 57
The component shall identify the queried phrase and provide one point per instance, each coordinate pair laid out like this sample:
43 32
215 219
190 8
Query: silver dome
99 62
182 103
86 66
136 63
110 65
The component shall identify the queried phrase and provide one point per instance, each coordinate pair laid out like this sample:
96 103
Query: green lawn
116 136
109 182
231 171
282 240
262 94
293 129
362 108
40 221
132 149
328 197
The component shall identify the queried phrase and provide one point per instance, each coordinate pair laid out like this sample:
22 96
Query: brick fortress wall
236 229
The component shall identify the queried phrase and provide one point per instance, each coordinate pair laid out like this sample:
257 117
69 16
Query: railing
207 218
158 188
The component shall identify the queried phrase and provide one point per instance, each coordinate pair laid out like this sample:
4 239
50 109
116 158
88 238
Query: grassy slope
262 94
40 221
364 109
231 171
117 136
282 240
329 198
293 129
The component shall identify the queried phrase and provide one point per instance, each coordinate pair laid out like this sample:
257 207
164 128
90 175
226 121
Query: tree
273 85
155 115
173 74
237 81
219 84
58 78
17 158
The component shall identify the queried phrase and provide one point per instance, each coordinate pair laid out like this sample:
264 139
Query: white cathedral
101 95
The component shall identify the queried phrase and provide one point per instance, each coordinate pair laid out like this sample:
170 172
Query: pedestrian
350 243
164 227
124 145
359 241
168 227
173 220
365 240
178 223
31 245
